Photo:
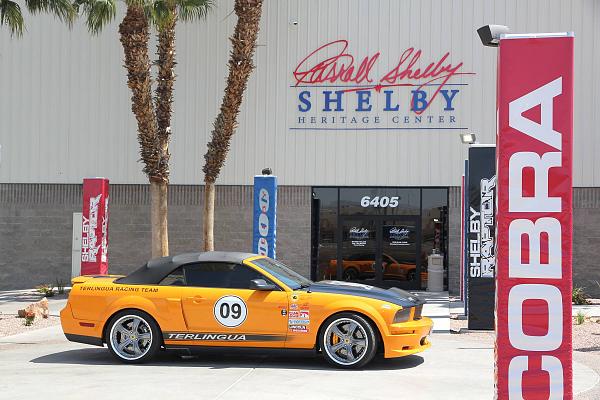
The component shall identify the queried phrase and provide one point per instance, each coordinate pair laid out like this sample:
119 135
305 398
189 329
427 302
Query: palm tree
243 44
153 114
11 15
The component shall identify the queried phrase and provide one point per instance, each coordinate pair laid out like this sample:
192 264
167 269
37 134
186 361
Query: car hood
394 295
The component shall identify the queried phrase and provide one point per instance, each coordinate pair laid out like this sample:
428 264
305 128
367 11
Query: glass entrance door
381 251
358 250
400 252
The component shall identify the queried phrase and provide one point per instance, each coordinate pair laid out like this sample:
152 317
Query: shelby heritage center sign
336 89
534 217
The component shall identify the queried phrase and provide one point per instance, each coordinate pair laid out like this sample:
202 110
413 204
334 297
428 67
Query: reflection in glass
359 247
399 248
434 222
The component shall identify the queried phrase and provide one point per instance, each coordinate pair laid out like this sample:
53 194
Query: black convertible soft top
155 270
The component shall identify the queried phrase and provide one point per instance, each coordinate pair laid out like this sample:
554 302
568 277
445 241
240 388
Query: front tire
347 340
133 337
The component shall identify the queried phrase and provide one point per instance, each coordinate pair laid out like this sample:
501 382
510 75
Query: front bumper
407 338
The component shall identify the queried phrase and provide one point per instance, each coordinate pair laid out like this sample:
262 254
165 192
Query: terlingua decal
227 337
204 336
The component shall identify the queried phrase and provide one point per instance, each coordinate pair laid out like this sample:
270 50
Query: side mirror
261 284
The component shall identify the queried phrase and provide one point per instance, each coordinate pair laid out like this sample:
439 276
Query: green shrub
29 317
60 286
580 318
579 296
46 290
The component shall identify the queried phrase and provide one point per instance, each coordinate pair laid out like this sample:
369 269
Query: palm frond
160 12
139 3
98 13
192 10
10 14
62 9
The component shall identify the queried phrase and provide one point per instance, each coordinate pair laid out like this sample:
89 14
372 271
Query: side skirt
237 350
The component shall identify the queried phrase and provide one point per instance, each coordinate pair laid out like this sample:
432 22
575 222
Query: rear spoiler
85 278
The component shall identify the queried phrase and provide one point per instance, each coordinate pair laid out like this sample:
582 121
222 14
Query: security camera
490 34
294 22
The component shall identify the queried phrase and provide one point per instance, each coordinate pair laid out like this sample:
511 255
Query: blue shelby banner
265 215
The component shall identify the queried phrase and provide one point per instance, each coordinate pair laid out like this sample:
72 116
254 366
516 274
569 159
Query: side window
210 275
175 278
242 275
220 275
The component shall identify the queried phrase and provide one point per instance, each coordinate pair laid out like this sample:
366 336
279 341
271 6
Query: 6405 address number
383 201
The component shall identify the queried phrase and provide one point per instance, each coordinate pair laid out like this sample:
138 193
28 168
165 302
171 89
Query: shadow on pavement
20 297
28 297
588 349
226 358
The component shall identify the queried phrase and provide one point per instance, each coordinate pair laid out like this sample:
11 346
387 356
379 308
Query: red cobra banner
534 164
94 227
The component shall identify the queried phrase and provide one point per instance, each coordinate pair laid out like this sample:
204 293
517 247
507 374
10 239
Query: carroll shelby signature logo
359 233
399 233
344 68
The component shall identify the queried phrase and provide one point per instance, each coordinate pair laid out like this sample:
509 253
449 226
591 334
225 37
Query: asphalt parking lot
43 364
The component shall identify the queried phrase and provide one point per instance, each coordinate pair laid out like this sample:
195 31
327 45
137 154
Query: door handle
196 299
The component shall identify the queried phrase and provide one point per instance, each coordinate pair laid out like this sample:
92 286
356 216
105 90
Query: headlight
402 315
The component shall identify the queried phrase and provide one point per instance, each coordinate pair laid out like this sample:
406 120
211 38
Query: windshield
284 274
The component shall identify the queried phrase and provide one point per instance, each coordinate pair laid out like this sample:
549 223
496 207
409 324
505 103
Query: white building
329 105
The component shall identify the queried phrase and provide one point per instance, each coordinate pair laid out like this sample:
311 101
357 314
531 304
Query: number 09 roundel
230 311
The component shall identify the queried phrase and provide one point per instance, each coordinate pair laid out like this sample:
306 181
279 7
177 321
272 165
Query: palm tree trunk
134 38
163 100
240 67
164 88
209 216
158 218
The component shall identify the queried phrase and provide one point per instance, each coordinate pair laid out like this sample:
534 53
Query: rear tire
133 337
350 274
347 340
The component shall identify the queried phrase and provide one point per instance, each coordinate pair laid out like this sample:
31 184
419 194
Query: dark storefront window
378 235
325 214
434 222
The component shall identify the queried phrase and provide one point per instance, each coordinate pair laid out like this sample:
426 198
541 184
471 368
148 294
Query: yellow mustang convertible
241 300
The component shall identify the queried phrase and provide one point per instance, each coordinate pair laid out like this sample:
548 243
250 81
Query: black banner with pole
481 232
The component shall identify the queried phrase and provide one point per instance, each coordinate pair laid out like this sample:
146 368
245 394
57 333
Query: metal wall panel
65 110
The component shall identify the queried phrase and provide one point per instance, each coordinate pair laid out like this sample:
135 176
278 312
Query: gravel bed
586 337
586 346
11 325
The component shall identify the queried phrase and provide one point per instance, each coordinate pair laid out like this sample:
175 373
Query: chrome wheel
131 337
345 341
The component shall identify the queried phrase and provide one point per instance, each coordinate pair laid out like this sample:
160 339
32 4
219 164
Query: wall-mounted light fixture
468 138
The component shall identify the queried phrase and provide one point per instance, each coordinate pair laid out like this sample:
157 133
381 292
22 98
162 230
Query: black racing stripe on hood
394 295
